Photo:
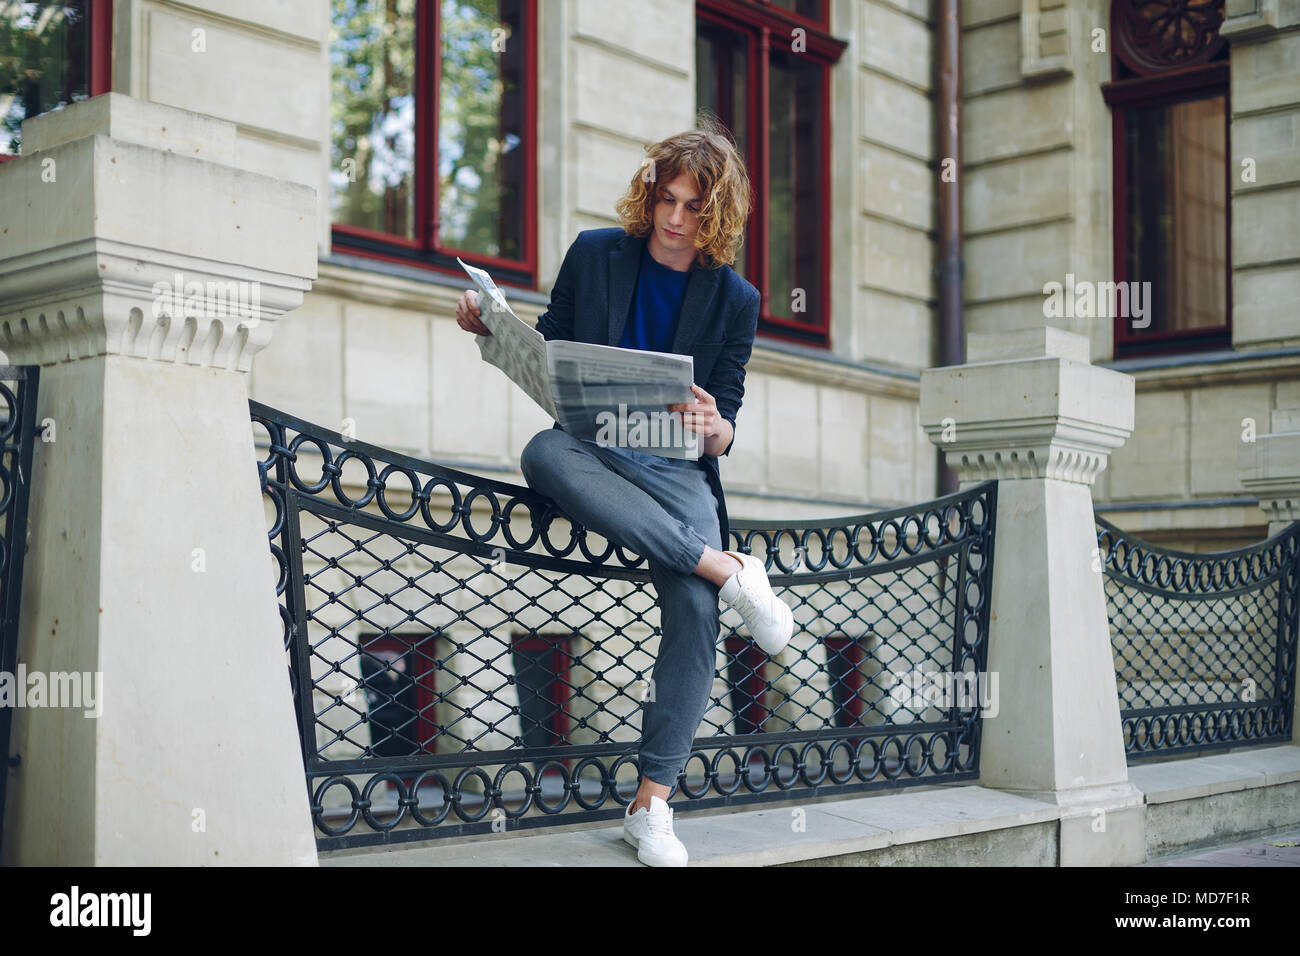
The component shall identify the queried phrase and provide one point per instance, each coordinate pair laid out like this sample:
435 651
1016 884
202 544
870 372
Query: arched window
1169 102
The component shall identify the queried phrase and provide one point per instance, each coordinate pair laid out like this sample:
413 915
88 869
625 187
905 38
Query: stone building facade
830 423
1039 206
828 426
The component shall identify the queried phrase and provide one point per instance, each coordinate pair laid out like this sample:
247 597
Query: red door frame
742 649
420 653
101 46
851 651
561 663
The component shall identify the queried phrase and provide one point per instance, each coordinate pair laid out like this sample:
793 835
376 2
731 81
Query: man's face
677 213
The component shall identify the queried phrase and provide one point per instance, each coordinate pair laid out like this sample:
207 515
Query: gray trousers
663 510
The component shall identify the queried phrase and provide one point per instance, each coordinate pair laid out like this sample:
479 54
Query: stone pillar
1030 411
1270 470
143 269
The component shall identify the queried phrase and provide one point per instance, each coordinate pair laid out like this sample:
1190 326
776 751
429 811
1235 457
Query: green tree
372 58
43 63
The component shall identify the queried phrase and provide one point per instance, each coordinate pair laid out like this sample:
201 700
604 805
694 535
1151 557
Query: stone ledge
1221 773
1198 822
850 831
760 837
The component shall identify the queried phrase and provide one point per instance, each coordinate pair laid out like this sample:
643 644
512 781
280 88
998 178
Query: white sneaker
651 832
769 619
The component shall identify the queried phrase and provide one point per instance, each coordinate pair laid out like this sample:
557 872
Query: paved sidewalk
1260 851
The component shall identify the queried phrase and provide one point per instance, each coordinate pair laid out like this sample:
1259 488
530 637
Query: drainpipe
952 331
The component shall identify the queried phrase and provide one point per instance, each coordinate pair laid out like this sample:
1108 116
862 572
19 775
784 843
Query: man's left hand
701 415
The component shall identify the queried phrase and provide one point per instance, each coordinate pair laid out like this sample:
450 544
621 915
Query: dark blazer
590 302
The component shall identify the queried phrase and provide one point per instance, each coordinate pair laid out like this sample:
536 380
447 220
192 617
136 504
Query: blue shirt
656 305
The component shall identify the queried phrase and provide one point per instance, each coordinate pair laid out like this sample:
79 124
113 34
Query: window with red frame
51 54
764 70
1169 105
432 144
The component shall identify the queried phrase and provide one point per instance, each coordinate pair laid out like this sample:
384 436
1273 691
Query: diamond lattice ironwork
1204 644
463 658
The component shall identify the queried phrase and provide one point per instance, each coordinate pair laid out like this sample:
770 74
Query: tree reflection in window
44 63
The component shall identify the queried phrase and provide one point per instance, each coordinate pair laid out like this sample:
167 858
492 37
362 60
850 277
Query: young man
663 282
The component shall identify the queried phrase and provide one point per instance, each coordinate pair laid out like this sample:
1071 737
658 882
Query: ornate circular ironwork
365 538
1153 36
759 785
716 776
839 779
417 813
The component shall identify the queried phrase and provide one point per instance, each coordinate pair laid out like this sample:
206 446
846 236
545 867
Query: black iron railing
464 660
1204 644
17 434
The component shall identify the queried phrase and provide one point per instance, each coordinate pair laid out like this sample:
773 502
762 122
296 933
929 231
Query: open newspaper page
615 396
514 346
598 393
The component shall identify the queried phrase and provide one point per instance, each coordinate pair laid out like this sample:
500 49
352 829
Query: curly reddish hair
709 157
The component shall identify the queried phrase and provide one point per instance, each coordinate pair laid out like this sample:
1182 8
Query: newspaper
598 393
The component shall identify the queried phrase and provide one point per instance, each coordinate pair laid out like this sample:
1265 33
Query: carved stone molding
1044 38
1045 461
1251 19
99 297
1049 447
1270 468
134 235
1029 407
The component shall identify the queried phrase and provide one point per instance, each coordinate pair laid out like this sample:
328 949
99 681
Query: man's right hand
467 313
